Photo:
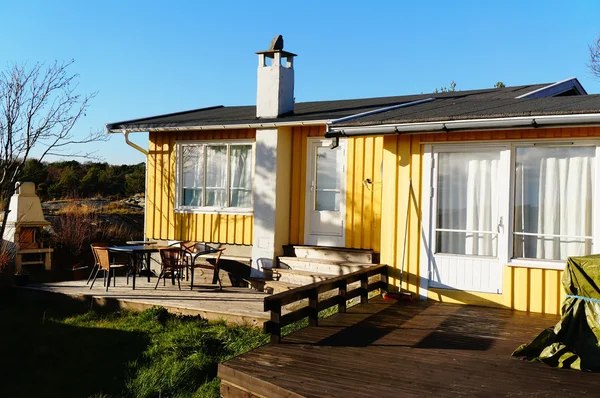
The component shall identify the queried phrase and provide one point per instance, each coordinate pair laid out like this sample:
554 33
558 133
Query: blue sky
152 57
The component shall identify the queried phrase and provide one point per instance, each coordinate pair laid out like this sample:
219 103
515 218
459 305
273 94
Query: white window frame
506 255
180 208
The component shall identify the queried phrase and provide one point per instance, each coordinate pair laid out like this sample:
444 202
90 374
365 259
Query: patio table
141 242
137 252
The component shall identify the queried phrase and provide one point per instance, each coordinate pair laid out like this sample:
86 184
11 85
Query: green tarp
573 342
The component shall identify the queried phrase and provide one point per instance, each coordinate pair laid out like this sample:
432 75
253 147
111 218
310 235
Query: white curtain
193 177
467 201
482 207
241 164
554 197
216 175
565 186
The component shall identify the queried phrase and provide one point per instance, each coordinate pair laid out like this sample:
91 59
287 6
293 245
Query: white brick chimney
274 97
275 81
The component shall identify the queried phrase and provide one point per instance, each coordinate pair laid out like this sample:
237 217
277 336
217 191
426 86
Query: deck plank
408 349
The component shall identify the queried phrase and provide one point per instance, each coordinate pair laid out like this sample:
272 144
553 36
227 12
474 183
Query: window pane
216 175
327 189
193 176
553 202
192 197
467 196
240 169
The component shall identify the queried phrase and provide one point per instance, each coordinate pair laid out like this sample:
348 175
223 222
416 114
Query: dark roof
445 109
312 111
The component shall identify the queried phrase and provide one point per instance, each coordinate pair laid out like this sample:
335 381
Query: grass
60 352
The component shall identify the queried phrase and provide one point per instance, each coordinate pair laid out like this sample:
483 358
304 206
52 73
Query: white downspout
145 152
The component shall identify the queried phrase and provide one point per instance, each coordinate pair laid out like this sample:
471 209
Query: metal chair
195 249
103 260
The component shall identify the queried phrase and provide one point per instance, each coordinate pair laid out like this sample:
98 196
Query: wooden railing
311 292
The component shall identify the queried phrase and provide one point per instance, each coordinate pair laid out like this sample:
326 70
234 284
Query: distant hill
72 179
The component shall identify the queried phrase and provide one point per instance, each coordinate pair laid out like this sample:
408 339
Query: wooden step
299 277
275 287
332 253
322 266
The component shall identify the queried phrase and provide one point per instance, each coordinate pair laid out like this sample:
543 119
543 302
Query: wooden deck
403 350
233 304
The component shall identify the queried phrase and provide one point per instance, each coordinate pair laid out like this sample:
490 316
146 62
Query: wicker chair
95 266
103 263
172 261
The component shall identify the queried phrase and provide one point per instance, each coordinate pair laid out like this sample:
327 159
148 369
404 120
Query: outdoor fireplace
25 221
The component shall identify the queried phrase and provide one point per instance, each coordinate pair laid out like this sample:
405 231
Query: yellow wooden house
475 197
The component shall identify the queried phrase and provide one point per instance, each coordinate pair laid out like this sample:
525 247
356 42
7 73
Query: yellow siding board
389 199
171 189
357 192
377 191
414 198
223 228
350 162
166 163
367 219
159 186
403 205
295 199
302 182
151 186
536 288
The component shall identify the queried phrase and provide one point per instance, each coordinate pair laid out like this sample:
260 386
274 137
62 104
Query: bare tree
594 63
39 108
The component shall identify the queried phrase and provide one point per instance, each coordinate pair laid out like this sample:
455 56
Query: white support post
271 195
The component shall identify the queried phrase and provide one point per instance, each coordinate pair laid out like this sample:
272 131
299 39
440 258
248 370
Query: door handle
500 225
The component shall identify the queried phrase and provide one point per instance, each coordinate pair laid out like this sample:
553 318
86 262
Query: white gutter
145 152
470 124
132 144
222 126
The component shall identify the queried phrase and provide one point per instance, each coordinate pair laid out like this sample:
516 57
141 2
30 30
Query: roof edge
581 119
220 126
110 126
555 89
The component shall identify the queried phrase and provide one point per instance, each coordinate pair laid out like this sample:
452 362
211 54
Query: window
553 202
215 176
548 213
467 203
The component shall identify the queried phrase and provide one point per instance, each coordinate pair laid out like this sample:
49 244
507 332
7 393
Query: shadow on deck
405 349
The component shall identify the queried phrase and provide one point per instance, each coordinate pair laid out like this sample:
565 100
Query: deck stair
303 265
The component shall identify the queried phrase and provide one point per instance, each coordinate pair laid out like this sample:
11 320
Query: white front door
325 193
467 217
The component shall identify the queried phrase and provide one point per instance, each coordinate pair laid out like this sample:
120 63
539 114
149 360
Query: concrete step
299 277
275 287
332 253
322 266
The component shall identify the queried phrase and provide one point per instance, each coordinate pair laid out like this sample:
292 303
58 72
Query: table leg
134 261
148 266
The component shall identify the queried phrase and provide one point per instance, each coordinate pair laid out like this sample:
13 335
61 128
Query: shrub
7 258
76 226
